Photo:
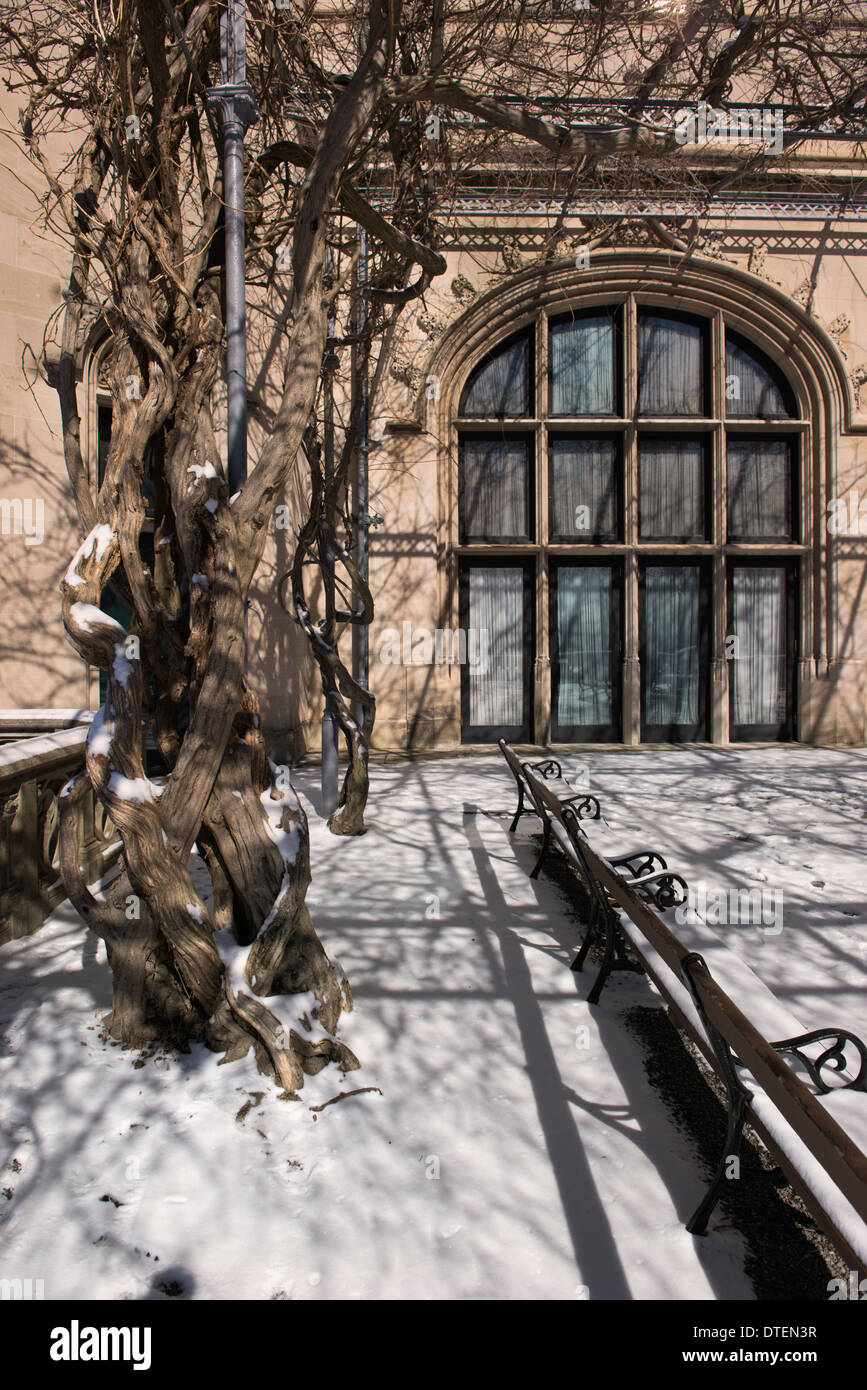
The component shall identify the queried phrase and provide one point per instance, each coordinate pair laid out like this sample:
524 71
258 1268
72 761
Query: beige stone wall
823 279
39 668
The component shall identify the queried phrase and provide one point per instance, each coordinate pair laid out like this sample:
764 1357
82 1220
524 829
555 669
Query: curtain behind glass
759 489
669 367
493 488
501 384
750 389
671 490
584 474
672 661
496 607
582 366
760 665
584 693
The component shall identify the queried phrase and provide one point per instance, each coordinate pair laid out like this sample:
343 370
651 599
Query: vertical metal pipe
236 302
362 493
436 42
233 43
330 726
236 107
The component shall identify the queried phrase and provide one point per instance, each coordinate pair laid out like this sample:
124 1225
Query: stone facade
790 285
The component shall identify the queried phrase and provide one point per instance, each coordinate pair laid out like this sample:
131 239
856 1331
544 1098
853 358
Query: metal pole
236 108
362 493
330 726
436 42
236 302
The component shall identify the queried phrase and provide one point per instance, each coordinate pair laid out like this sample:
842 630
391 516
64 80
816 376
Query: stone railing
32 772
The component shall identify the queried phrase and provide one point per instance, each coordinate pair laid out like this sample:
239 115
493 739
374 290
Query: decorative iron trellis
537 203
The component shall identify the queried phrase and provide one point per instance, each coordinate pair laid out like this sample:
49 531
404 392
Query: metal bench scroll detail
833 1056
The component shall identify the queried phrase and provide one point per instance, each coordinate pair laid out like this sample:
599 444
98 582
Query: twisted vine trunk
352 705
248 970
174 976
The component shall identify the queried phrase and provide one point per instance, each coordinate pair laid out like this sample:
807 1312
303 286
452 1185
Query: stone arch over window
95 410
654 437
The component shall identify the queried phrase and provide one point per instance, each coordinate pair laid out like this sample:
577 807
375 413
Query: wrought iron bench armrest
548 768
665 889
833 1056
643 858
585 803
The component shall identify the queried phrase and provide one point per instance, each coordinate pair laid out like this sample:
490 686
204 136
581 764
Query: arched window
624 468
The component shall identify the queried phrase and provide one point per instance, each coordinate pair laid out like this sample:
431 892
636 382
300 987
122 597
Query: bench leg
520 811
546 840
589 936
737 1097
608 961
697 1224
578 963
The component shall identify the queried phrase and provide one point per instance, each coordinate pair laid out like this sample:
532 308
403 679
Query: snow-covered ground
516 1150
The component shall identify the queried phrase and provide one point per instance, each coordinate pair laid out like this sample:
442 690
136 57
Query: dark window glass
582 365
496 624
585 496
762 622
759 487
103 440
586 651
496 606
670 366
671 490
500 384
755 389
760 674
494 488
674 629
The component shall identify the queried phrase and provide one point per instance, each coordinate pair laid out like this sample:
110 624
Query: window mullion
630 446
542 664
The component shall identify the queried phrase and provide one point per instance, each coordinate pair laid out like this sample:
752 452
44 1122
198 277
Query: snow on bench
846 1107
740 1026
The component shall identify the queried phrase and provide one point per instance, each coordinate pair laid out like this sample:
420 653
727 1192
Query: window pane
671 490
751 388
672 657
759 489
103 440
759 623
493 488
496 615
670 376
500 385
584 502
582 366
585 694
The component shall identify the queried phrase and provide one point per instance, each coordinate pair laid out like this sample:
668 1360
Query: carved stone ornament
858 378
757 265
463 290
511 258
431 326
407 373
